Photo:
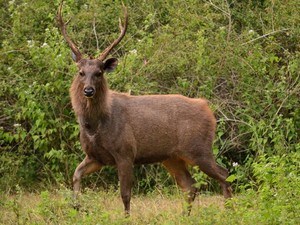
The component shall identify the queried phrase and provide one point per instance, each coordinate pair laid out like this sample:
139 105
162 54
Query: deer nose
89 92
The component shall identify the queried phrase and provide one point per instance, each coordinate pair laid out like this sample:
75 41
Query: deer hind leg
87 166
208 165
227 191
177 168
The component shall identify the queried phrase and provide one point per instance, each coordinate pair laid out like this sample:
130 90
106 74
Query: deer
123 130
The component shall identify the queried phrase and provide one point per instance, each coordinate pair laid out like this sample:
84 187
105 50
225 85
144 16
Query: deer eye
98 74
81 73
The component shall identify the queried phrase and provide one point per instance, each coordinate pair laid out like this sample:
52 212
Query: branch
95 33
265 35
217 7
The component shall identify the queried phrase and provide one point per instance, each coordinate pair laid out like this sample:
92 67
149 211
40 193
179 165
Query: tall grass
105 207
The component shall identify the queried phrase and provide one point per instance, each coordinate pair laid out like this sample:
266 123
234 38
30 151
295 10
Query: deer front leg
125 173
87 166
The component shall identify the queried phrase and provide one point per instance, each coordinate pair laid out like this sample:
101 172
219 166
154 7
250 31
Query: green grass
100 207
105 207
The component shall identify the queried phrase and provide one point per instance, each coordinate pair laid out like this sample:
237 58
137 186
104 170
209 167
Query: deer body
147 129
122 130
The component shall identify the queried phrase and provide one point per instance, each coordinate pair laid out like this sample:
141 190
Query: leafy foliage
243 56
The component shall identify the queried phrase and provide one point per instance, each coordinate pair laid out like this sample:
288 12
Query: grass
99 207
105 207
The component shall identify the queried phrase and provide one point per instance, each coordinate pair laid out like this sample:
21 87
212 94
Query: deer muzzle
89 92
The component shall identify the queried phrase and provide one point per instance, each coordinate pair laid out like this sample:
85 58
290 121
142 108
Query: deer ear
110 65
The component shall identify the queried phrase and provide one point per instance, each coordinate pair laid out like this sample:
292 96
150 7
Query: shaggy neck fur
91 109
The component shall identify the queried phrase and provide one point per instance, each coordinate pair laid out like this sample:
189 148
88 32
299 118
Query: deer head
91 70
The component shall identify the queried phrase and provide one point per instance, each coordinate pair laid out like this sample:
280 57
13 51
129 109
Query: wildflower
44 45
134 51
235 164
30 43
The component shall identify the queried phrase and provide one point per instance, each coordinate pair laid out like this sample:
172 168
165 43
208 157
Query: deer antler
123 29
63 29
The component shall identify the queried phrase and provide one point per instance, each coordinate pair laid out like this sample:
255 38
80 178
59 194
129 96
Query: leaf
231 178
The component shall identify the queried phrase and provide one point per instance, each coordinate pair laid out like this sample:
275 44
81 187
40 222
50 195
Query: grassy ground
105 207
99 207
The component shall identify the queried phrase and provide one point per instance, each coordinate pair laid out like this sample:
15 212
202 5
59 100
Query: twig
234 120
11 51
225 118
222 10
227 14
265 35
229 21
296 86
95 33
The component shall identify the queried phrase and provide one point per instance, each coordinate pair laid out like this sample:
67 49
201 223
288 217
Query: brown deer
122 130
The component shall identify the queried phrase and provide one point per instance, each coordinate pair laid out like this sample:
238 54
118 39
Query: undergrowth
243 56
105 207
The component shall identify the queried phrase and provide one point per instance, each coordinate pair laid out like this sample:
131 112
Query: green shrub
246 65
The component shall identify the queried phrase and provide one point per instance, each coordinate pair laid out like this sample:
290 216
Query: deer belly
155 147
154 158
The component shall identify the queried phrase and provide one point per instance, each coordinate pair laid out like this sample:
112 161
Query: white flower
44 45
134 51
30 43
17 125
235 164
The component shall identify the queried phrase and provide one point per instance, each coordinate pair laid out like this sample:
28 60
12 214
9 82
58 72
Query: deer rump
148 129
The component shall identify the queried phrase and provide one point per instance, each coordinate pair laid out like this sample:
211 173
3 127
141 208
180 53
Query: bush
246 65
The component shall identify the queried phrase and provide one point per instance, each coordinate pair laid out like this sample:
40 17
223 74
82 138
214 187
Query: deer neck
91 110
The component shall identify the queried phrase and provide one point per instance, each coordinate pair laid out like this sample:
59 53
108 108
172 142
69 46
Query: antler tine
123 30
63 29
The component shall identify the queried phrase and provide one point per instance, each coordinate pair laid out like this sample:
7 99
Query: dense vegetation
243 56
